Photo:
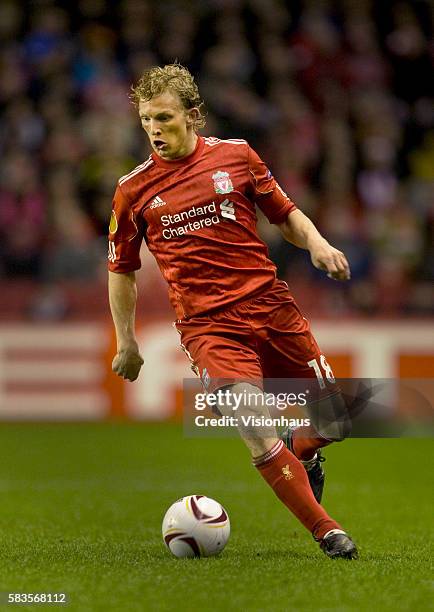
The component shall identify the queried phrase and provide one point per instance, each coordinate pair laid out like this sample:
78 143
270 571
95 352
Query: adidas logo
227 210
156 202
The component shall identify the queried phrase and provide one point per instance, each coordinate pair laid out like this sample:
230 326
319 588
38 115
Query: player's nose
155 129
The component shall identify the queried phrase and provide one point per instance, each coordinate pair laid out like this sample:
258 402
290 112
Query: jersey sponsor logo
194 211
198 218
228 210
156 202
191 215
113 226
111 251
222 182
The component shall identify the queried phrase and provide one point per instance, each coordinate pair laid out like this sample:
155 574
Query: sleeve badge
113 226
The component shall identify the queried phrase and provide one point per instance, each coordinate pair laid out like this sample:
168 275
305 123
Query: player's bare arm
300 231
123 298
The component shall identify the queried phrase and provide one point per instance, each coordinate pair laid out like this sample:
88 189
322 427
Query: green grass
81 509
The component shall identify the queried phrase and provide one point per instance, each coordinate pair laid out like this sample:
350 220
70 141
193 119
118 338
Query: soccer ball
196 526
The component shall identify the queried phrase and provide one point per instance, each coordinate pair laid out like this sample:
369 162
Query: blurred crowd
336 96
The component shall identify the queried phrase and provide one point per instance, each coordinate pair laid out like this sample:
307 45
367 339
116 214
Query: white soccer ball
196 526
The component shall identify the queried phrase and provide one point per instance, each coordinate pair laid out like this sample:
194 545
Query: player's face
169 126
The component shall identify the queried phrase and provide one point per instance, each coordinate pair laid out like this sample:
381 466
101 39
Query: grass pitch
81 509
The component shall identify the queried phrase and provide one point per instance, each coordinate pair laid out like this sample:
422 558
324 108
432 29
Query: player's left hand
327 258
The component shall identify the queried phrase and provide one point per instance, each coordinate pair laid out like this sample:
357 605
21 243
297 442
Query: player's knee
247 405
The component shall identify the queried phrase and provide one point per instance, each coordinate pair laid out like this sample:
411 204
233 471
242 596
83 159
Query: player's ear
193 114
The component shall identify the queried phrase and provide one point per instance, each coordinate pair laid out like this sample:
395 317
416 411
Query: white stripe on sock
269 455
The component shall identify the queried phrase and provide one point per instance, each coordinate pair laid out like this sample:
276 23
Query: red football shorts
264 336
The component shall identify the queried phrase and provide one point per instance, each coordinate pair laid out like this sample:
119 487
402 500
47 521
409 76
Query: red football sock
288 479
306 441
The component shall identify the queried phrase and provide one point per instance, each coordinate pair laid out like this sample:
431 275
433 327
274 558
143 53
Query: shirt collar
181 161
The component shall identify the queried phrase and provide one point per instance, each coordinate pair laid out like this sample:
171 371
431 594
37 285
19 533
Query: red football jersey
197 216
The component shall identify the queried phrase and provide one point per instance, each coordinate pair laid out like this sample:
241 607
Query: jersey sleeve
125 236
267 193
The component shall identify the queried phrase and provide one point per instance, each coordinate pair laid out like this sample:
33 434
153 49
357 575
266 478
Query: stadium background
336 96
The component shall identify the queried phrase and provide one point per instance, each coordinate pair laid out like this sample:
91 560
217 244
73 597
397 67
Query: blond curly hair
172 77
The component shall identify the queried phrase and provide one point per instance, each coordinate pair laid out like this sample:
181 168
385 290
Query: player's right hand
127 363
